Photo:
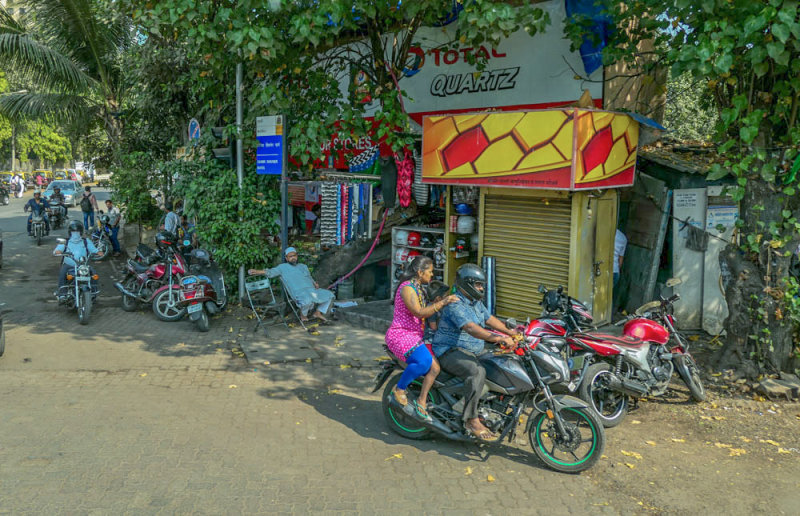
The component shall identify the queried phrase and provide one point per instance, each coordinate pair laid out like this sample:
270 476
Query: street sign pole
239 160
284 193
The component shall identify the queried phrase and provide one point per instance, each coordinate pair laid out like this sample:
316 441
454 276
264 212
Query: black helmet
165 239
75 226
471 280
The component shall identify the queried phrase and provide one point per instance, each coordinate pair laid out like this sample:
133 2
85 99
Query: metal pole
239 159
13 149
284 190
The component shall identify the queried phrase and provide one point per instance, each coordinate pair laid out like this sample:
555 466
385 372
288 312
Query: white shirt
113 216
620 243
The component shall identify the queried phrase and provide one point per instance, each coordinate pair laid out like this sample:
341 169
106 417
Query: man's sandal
482 435
400 397
419 411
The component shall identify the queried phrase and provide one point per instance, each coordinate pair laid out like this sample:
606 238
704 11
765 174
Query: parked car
103 178
70 189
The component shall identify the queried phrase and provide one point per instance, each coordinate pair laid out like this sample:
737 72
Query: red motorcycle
156 283
203 293
609 369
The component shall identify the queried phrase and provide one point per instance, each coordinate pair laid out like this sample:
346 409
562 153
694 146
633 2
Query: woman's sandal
482 435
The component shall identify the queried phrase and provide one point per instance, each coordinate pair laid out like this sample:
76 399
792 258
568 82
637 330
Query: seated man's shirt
454 317
297 278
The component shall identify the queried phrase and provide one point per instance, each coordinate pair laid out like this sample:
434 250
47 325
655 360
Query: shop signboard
553 149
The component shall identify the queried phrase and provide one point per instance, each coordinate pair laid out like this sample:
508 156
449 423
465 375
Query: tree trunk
759 338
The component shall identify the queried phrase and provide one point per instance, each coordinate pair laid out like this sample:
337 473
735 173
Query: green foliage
40 140
688 113
211 195
132 178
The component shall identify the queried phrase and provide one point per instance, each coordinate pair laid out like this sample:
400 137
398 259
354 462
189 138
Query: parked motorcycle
203 293
157 283
610 368
563 431
101 237
79 293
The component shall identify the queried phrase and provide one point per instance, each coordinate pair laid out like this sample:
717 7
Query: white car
102 179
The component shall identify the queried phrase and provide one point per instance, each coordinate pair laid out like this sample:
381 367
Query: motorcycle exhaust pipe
434 424
628 387
125 291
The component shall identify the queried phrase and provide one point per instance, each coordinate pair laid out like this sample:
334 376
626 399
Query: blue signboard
269 155
194 130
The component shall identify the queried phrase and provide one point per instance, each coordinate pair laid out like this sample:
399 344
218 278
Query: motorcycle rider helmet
75 226
471 280
165 239
413 239
465 224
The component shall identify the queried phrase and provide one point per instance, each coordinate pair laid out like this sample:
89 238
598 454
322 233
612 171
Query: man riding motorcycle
460 338
79 247
38 205
58 198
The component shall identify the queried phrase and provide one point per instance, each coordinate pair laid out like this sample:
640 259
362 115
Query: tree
747 55
689 113
39 140
68 52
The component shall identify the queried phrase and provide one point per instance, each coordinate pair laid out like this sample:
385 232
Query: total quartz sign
522 72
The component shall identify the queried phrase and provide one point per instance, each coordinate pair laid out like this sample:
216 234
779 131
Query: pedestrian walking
88 207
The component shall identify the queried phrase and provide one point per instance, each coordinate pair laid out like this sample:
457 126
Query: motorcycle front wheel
610 406
577 449
397 420
104 247
690 374
38 239
202 321
85 309
165 305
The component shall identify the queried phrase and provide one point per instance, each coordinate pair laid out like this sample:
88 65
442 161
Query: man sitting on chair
301 286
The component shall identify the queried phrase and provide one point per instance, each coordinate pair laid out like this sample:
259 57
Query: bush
134 176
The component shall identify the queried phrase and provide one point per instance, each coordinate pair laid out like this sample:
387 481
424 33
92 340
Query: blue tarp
591 51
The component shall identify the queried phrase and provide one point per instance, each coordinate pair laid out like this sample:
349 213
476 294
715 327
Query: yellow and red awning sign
563 149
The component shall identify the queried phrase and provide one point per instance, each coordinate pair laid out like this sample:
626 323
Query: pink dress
406 332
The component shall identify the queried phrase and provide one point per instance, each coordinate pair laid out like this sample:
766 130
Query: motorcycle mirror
542 289
511 323
673 281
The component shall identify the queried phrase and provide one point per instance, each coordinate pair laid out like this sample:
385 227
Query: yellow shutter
529 238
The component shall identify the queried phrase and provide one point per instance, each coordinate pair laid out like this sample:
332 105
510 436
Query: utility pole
239 160
13 147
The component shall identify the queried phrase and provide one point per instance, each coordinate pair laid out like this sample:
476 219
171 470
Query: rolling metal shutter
530 240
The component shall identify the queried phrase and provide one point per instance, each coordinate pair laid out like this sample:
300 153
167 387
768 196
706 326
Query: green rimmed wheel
397 420
574 450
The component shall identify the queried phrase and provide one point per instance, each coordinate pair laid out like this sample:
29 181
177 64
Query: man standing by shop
301 286
460 338
113 221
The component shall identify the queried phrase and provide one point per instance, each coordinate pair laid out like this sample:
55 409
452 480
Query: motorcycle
610 369
101 237
58 215
38 227
79 293
5 194
564 432
203 293
156 283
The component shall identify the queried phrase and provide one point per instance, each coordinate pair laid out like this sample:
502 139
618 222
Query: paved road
129 415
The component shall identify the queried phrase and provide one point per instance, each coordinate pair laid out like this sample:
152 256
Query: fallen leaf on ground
604 456
230 330
735 452
675 440
315 332
266 362
334 391
181 344
745 439
395 456
378 359
345 366
631 454
693 337
720 445
630 465
308 360
143 375
468 471
769 441
490 478
651 443
716 374
636 422
783 450
232 386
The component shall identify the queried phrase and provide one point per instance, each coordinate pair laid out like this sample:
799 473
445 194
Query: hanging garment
389 182
405 176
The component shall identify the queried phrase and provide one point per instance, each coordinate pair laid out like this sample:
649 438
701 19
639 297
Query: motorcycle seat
617 340
137 266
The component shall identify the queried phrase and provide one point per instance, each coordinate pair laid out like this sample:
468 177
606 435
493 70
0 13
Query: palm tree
68 54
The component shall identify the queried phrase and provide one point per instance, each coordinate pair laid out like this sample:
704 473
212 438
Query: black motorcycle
563 431
58 214
5 194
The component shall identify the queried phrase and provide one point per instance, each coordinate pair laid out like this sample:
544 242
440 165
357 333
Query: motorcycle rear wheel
610 406
129 304
162 309
565 453
202 321
398 421
85 310
688 371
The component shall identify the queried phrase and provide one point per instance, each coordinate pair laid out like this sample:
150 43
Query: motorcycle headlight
83 270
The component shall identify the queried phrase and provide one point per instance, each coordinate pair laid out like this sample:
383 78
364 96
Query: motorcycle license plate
83 278
194 308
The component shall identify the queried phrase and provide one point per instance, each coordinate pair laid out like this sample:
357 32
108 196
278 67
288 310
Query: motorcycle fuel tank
647 330
506 372
546 326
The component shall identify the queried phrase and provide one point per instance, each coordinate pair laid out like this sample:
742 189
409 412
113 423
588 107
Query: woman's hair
419 263
437 289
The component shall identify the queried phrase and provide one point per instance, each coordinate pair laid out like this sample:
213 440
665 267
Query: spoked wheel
202 321
85 310
690 374
103 246
397 420
129 304
6 200
575 450
609 405
165 305
38 239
